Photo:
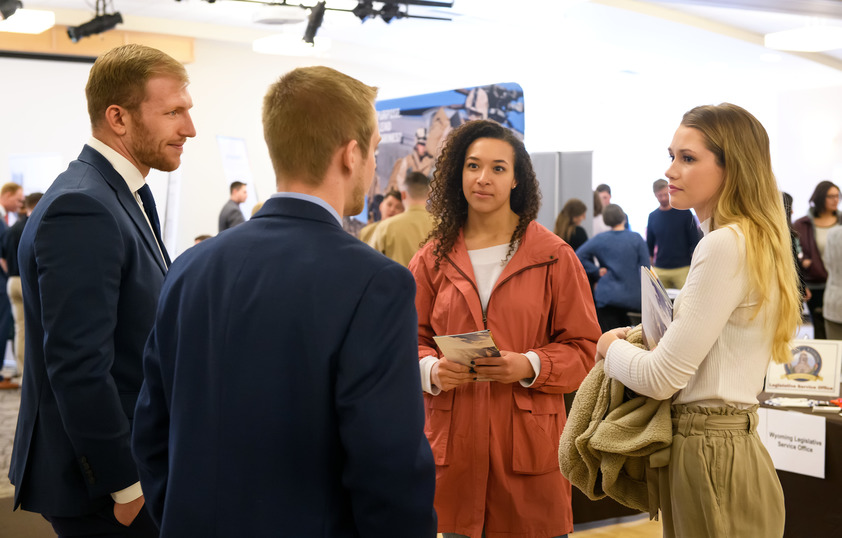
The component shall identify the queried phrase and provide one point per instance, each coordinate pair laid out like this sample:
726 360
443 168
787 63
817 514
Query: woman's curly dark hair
447 201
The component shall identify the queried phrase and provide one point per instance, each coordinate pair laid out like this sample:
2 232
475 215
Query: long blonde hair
749 197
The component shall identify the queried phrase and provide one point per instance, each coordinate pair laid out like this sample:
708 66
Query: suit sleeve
389 468
651 240
150 435
80 254
574 329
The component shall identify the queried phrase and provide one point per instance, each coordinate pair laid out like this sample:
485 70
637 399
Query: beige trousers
720 481
672 278
13 289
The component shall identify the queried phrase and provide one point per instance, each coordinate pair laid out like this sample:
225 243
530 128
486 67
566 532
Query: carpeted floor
20 524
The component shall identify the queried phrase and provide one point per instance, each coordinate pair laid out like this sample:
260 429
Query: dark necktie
145 194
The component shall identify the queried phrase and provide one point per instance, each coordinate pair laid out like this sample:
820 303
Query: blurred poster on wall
413 130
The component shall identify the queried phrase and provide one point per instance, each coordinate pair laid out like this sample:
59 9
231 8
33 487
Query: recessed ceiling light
807 39
28 21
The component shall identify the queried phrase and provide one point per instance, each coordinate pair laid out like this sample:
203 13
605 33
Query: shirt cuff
426 365
535 361
127 495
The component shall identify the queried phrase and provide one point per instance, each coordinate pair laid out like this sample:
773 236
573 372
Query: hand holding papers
463 348
656 308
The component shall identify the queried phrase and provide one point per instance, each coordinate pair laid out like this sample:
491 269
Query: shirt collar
310 198
131 175
705 226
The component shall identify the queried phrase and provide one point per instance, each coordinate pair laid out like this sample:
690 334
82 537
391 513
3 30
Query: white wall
622 99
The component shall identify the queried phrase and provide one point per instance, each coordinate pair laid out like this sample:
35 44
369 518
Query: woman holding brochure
490 266
739 308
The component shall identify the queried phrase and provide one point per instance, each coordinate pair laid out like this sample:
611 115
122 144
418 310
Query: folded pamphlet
656 308
463 348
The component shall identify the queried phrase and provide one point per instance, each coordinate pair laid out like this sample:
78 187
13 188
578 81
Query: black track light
317 15
97 25
8 8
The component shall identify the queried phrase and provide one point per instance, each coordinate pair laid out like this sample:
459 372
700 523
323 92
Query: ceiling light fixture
317 16
102 22
28 21
8 7
813 38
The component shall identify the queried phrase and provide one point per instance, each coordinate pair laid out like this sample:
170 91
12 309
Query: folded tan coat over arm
613 440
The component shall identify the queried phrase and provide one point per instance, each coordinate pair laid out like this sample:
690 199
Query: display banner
813 371
413 129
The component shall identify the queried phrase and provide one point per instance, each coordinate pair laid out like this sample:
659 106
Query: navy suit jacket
281 393
91 273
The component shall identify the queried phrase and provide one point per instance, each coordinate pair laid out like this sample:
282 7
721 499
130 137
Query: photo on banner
413 131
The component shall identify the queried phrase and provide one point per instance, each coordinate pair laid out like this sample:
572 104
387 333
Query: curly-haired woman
490 266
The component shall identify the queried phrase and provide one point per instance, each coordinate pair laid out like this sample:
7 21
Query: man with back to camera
281 393
230 215
671 235
400 238
92 263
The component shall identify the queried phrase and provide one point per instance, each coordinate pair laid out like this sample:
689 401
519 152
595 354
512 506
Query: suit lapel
127 200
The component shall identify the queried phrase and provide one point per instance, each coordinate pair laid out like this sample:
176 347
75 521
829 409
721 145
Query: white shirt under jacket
717 349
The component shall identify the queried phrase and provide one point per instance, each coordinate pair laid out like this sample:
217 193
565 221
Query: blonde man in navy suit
92 263
281 393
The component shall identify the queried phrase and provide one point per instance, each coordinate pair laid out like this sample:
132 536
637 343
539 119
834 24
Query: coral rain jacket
495 445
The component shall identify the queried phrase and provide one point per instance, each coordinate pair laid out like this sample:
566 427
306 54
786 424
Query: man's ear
116 118
349 154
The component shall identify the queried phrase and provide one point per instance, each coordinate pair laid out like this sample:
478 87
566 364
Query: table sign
795 441
813 371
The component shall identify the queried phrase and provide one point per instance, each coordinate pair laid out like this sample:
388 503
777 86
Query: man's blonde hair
749 197
308 114
119 77
9 188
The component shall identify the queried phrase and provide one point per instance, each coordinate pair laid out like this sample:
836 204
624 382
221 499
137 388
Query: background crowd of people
343 416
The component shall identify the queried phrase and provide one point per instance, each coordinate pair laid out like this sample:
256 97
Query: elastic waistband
692 420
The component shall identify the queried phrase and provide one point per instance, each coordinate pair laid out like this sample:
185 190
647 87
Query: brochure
656 308
463 348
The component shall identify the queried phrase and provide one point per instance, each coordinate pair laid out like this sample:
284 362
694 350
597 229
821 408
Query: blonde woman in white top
739 308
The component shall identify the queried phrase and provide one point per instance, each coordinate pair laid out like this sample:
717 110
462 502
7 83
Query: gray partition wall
564 175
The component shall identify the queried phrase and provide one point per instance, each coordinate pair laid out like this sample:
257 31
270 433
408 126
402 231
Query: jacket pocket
537 421
439 410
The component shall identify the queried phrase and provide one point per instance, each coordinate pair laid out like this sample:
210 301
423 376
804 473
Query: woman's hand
507 368
448 375
603 271
607 339
806 263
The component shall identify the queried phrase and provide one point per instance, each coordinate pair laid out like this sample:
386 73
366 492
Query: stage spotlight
317 15
8 7
364 10
389 12
97 25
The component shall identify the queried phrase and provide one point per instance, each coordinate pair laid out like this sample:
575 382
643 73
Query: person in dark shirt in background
620 254
671 235
568 223
11 240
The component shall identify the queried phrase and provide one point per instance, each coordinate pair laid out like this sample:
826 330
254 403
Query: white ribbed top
713 354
